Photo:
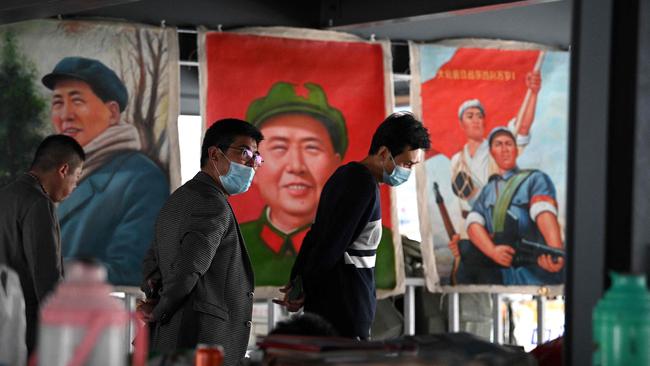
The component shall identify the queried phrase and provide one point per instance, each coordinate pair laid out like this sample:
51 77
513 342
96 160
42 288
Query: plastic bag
13 350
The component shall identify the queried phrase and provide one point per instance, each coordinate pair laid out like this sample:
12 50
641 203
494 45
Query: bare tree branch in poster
147 68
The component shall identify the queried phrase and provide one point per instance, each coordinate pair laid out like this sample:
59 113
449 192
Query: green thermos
621 323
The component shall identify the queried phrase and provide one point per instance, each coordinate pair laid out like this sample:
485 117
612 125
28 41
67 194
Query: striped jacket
207 278
338 255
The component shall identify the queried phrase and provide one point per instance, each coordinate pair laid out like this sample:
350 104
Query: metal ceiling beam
17 10
351 14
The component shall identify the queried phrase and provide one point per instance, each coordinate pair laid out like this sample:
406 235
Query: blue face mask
238 179
398 176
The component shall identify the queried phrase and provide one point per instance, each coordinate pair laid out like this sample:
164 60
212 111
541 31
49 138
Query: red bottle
208 355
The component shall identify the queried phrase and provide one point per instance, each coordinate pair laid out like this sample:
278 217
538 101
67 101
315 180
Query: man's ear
213 153
383 152
115 114
63 170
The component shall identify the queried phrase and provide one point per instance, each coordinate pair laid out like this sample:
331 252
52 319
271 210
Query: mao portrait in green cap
305 140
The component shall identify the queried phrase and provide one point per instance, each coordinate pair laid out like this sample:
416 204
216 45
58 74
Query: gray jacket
207 278
30 243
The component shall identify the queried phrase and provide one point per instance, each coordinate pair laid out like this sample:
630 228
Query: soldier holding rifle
513 224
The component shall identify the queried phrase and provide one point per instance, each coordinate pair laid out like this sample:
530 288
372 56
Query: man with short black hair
198 265
333 275
30 240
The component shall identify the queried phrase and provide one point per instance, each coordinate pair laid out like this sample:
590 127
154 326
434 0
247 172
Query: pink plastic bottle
81 324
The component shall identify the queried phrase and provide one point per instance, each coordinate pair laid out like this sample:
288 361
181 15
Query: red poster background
501 93
241 68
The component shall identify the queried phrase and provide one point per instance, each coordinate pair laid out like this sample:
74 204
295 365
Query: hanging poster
494 182
317 98
114 88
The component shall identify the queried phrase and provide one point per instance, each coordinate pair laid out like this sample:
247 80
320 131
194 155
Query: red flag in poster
496 77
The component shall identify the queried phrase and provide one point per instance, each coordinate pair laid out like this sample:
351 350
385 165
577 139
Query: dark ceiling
543 21
211 13
546 22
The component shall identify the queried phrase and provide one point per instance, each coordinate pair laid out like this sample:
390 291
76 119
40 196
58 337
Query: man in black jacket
335 266
30 238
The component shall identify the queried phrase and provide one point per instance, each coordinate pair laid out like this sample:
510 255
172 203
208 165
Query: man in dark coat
334 273
30 238
198 265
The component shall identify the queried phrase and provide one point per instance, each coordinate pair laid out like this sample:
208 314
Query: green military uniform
273 252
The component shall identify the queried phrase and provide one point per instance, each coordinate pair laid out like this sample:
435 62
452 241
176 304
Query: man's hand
534 81
453 245
502 255
292 305
144 308
546 262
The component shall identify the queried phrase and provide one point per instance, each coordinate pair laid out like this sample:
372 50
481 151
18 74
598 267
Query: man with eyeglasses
198 276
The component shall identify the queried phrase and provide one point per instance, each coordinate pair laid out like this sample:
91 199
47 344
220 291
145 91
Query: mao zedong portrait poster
317 103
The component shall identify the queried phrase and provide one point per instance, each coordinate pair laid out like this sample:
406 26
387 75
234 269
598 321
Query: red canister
208 355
